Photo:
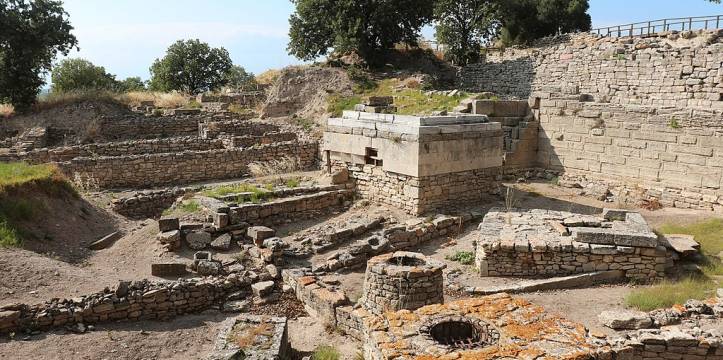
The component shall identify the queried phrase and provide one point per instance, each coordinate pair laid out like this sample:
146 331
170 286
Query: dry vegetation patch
709 233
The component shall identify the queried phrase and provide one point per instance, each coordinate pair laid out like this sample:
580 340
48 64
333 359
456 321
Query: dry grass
268 77
6 110
283 165
245 336
162 100
53 100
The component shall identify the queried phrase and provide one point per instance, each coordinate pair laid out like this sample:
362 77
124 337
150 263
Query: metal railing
652 27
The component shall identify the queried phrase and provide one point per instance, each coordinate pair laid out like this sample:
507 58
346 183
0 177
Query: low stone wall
140 127
541 243
251 140
138 300
319 297
439 191
400 237
293 208
182 168
133 147
147 204
215 129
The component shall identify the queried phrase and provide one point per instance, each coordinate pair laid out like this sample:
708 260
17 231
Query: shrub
463 257
292 183
326 352
8 235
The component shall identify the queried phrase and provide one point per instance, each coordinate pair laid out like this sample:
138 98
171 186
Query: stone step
565 282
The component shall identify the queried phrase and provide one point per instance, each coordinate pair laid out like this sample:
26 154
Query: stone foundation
252 337
147 204
181 168
421 195
138 300
542 243
402 280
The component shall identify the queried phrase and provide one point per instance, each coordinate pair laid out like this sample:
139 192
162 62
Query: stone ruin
402 280
416 163
252 337
546 243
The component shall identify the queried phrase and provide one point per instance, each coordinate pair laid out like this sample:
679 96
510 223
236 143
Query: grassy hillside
19 185
408 98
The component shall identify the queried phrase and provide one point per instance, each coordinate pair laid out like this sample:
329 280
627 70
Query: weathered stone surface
259 233
222 242
168 224
198 240
263 288
340 176
168 269
625 319
208 267
106 241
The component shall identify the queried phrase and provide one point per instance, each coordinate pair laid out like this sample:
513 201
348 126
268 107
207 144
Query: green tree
462 25
191 66
32 33
81 74
319 27
527 20
238 79
132 84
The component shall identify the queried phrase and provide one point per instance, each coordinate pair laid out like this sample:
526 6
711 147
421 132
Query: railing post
690 24
631 30
717 22
665 22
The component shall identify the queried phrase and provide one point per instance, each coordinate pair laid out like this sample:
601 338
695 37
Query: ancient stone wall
147 204
236 127
182 168
137 127
292 208
139 300
643 116
133 147
670 155
251 140
419 195
542 243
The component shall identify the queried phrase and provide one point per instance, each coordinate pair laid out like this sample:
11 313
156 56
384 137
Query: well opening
458 334
404 260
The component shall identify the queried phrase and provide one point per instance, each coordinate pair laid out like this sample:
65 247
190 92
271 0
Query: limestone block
222 242
625 319
198 240
168 224
259 233
263 288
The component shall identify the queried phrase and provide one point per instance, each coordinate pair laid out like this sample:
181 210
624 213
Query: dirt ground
31 276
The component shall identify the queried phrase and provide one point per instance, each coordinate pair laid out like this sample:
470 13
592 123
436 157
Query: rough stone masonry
643 116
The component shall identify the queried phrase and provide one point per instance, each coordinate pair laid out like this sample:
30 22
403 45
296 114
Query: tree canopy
238 79
81 74
462 25
319 27
133 83
191 66
526 20
33 32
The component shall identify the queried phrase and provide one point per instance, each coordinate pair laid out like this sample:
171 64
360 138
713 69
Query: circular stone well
402 280
459 333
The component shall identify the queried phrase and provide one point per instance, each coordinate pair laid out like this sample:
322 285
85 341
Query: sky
126 36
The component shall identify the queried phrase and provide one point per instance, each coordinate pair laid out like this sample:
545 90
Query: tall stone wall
181 168
642 116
